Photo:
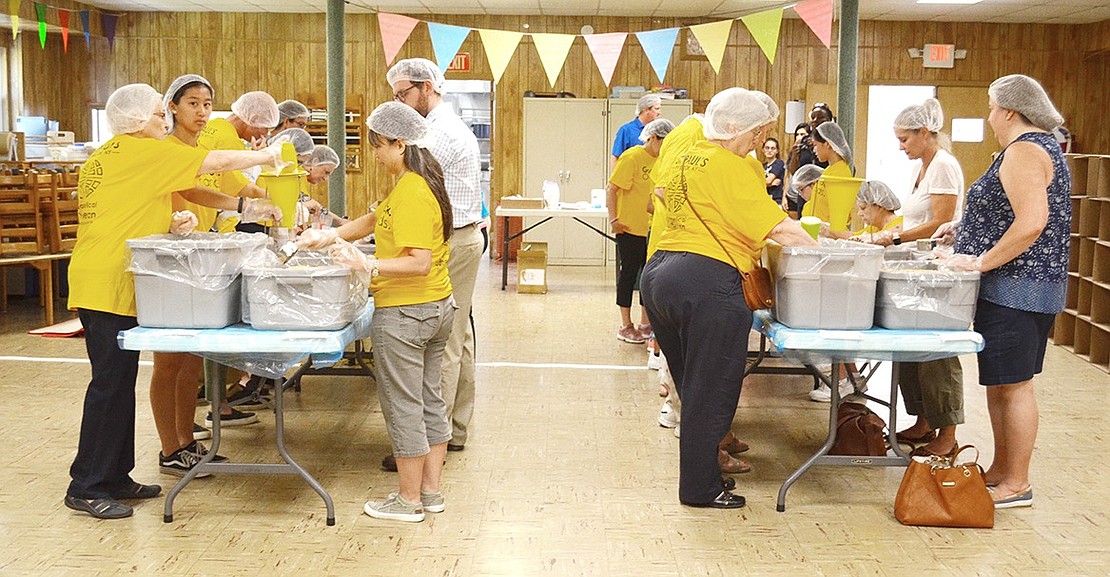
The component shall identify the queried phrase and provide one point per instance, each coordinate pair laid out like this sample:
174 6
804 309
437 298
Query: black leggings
632 252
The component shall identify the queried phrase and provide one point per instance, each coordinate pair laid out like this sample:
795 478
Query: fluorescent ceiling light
949 1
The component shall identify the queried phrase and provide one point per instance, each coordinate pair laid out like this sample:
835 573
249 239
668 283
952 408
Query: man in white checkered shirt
419 83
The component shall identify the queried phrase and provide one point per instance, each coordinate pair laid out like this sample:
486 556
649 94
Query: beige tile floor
566 473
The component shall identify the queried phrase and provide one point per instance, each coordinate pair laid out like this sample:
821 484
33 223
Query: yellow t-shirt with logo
729 198
834 198
206 216
632 175
675 145
409 217
219 134
125 191
895 223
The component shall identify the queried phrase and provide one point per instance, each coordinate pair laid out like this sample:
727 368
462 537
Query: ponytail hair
421 161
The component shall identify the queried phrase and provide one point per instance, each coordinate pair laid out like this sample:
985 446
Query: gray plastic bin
303 297
827 287
916 295
166 303
190 281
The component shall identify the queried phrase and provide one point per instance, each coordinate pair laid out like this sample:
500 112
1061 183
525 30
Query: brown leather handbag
937 492
859 431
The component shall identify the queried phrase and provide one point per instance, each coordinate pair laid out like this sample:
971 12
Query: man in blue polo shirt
649 107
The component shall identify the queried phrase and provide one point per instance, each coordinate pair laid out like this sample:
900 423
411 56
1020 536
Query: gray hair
647 101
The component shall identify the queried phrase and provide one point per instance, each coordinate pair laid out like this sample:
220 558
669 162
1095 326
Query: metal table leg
214 385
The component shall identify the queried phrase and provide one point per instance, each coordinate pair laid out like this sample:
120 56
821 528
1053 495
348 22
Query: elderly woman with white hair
291 114
1015 231
125 191
414 308
718 219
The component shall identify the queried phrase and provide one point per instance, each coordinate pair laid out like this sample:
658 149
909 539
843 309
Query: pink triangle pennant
395 30
818 15
606 50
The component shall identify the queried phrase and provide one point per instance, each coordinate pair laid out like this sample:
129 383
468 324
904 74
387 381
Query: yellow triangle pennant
13 10
713 38
500 46
553 50
764 27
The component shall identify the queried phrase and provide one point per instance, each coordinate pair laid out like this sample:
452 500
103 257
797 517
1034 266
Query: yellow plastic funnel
284 186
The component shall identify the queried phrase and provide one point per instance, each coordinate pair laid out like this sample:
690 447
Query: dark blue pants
106 451
696 306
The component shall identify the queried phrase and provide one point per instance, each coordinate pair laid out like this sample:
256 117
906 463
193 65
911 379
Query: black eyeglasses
400 96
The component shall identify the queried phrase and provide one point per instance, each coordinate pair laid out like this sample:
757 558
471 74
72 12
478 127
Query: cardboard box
531 264
521 202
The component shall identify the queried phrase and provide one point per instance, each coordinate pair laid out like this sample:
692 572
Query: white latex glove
345 253
259 209
885 238
946 233
183 222
274 150
317 238
965 262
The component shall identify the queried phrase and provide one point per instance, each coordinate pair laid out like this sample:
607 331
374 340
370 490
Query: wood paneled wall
284 54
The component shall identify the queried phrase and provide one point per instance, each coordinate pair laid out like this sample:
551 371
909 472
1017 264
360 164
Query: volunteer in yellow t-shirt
413 305
628 198
124 192
718 218
834 194
252 117
875 205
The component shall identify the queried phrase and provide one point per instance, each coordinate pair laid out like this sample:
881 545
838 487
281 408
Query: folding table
268 353
812 347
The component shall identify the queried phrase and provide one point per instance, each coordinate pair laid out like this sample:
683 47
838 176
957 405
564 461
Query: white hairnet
416 70
321 155
647 101
1023 94
877 192
130 107
732 112
290 109
805 176
257 109
176 86
397 121
831 133
302 140
660 127
772 107
915 116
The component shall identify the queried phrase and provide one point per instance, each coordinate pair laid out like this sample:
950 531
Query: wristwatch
897 240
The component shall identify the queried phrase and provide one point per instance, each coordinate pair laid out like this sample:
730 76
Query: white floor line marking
564 366
57 360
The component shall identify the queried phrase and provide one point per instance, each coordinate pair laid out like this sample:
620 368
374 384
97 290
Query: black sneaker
201 400
200 451
252 397
105 508
235 419
179 462
200 433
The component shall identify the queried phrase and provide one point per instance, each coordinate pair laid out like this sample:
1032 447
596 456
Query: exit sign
939 55
461 62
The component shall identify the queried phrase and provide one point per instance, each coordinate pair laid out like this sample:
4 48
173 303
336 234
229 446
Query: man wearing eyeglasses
418 83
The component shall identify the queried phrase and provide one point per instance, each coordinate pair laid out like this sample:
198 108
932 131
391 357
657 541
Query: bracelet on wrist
241 199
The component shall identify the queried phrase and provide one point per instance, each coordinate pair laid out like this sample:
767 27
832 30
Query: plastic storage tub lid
835 248
912 270
299 271
199 240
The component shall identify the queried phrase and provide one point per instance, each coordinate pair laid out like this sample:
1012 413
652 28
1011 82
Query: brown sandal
926 438
731 465
923 451
732 445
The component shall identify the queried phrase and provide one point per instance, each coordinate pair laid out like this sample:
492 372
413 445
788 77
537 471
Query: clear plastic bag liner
308 293
922 286
834 257
815 346
268 353
201 259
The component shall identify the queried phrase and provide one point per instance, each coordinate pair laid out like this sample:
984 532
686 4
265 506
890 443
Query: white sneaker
823 394
395 508
654 361
668 418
